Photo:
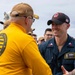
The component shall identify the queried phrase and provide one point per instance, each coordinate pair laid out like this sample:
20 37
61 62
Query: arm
42 49
34 60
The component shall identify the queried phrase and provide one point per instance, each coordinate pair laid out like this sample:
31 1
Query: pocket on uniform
68 64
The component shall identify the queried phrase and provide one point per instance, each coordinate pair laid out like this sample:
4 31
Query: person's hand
65 72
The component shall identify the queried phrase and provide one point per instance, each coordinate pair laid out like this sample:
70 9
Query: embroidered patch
69 55
3 42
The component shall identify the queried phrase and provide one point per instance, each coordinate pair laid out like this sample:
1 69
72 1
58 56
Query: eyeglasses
30 18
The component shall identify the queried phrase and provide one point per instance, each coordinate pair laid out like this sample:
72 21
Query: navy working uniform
55 59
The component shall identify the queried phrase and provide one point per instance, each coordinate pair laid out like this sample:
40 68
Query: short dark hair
48 29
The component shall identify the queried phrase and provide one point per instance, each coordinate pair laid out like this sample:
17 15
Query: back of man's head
21 9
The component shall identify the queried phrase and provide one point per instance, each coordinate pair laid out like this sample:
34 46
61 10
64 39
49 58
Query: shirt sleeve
35 61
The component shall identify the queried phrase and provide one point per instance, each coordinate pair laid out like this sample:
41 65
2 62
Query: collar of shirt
18 26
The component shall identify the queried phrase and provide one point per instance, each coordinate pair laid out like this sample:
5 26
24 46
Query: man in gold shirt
19 54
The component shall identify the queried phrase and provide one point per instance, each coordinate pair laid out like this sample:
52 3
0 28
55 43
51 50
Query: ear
26 21
68 25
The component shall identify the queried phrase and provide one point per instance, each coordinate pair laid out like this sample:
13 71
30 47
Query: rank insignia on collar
50 45
70 44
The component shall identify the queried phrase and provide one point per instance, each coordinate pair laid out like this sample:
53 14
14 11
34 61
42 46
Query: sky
45 9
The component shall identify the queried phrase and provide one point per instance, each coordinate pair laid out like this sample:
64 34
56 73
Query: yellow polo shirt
19 54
